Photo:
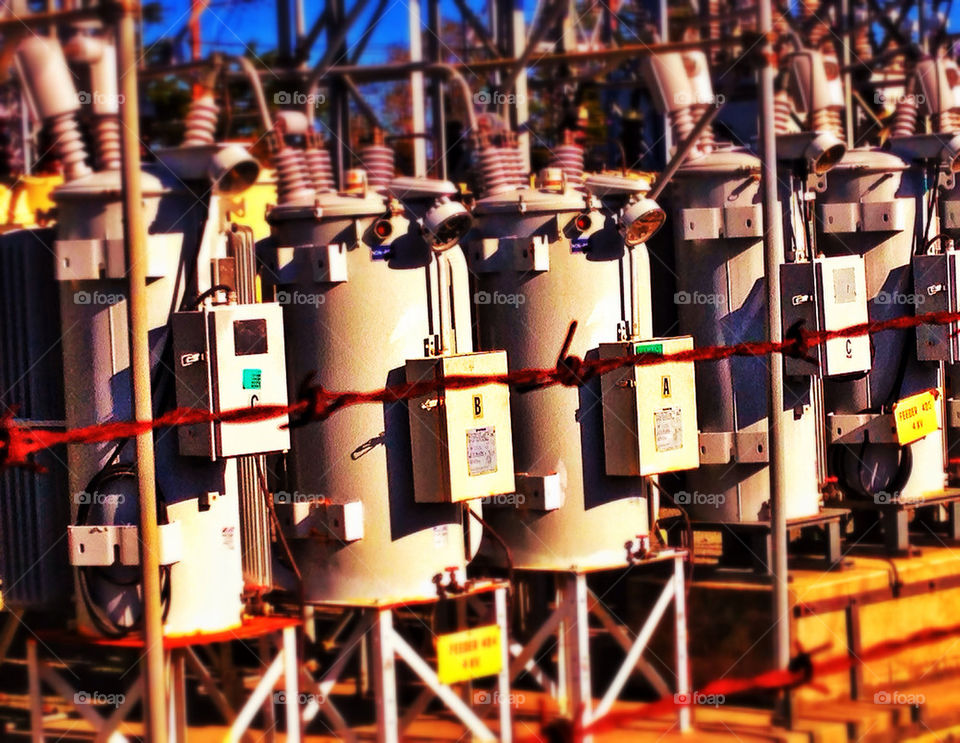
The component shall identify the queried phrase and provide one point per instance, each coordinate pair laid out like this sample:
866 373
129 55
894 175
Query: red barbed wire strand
803 671
19 442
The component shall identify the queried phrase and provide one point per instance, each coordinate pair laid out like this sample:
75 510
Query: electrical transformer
544 257
721 301
868 209
374 292
202 581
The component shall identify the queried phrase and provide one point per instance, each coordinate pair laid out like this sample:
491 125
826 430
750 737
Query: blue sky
227 24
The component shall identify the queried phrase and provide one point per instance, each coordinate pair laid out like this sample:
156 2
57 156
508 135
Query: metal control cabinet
461 439
935 280
827 294
229 357
650 412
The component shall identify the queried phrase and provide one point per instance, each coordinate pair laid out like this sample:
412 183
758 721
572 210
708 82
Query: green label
649 348
251 379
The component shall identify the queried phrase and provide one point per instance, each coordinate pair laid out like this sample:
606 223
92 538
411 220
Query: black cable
199 299
104 623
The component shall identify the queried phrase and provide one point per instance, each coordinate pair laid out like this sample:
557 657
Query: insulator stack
293 180
950 121
201 122
497 170
862 46
109 153
320 169
515 158
905 118
782 119
708 139
682 123
69 143
714 27
378 161
569 158
828 120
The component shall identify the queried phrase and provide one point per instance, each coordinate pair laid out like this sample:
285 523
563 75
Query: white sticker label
668 429
481 450
440 536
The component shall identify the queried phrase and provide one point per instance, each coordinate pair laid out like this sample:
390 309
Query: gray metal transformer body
558 429
887 196
357 335
95 342
721 300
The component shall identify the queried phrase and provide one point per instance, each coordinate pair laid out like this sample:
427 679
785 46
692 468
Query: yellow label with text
470 654
916 416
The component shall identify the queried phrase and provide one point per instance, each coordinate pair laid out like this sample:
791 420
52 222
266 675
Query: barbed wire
19 441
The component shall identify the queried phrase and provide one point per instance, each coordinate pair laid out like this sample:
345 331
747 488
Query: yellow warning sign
469 654
916 416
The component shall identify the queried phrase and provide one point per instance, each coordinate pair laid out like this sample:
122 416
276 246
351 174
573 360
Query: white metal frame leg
385 678
575 649
680 639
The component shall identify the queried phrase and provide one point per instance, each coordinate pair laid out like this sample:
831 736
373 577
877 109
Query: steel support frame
284 665
569 625
389 646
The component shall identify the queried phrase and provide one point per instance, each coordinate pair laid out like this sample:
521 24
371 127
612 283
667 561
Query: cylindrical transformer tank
534 276
869 209
721 300
199 493
356 307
